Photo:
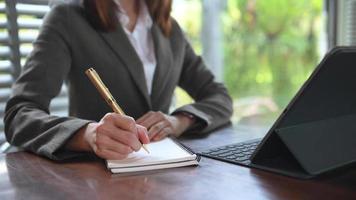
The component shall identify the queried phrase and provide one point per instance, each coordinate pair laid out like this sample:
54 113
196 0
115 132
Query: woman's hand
114 137
160 125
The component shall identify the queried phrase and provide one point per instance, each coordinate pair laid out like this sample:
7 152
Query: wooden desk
27 176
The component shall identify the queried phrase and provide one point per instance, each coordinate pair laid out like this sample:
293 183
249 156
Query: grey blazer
68 45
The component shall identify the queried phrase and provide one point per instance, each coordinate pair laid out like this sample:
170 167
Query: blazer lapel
164 62
122 47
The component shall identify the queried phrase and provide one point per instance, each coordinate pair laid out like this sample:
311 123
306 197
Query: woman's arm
28 123
213 106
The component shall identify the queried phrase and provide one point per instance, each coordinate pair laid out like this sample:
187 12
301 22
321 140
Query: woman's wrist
186 120
81 139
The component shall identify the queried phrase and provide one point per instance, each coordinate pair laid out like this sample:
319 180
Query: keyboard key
232 157
243 158
236 153
225 154
246 162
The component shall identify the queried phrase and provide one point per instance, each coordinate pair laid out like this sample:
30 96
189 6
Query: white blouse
141 40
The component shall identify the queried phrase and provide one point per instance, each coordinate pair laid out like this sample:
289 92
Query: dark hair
102 14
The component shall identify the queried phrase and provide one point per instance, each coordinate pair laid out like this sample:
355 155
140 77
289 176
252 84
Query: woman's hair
102 14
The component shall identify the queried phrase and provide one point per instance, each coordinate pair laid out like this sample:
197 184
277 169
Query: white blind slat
346 24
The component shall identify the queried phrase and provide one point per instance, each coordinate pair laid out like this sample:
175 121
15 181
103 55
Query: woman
140 53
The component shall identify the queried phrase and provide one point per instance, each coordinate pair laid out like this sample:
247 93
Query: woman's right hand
113 138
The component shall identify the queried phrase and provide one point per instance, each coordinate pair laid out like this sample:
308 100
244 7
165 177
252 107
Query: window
346 22
265 50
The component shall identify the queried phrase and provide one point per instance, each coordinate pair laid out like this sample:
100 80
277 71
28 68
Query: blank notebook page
164 151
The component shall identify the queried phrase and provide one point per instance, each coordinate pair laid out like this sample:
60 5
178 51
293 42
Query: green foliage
270 46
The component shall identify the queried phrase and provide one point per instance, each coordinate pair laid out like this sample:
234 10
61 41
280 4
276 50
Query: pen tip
145 148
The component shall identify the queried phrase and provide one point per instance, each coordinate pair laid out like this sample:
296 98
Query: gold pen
105 93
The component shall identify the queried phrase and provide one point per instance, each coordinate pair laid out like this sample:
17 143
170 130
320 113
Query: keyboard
238 153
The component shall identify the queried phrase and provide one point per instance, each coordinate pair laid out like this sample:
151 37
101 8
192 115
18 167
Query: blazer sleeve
28 123
213 105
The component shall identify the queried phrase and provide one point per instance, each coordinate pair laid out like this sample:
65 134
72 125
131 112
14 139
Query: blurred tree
270 46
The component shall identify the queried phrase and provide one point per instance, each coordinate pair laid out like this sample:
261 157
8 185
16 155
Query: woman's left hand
160 125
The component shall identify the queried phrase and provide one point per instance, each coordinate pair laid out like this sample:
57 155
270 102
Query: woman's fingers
104 142
142 134
151 119
128 138
116 136
120 128
162 134
155 129
121 121
158 123
144 117
109 154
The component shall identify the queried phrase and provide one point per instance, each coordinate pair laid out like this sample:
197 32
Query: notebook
167 153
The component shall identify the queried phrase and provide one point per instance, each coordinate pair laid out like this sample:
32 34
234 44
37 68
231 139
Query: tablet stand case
309 149
317 131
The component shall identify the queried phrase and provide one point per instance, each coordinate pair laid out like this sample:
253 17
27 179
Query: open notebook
166 153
